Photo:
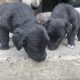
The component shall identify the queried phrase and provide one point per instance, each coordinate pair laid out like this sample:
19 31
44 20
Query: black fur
64 20
19 19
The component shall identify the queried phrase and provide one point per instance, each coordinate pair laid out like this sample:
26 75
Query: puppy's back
62 10
14 14
15 7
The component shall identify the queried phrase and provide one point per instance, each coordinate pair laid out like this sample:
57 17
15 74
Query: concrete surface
61 64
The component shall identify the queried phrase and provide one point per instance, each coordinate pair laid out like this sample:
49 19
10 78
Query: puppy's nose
39 58
52 47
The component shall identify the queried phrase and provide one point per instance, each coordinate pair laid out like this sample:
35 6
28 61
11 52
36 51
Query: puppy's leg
78 34
71 36
4 39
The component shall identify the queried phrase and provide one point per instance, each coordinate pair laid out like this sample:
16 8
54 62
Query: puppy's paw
71 46
4 47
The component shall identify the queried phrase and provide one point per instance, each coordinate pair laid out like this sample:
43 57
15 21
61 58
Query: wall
48 5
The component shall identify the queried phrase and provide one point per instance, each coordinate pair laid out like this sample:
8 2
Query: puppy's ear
68 27
18 38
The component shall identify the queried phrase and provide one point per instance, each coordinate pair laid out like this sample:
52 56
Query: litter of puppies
34 34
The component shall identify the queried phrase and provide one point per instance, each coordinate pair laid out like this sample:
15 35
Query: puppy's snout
53 46
39 58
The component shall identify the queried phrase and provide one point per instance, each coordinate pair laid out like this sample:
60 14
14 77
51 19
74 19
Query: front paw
71 46
4 47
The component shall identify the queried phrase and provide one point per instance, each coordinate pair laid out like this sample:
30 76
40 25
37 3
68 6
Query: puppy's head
57 28
34 42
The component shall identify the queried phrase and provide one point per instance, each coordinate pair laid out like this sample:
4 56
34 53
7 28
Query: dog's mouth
53 45
38 59
37 56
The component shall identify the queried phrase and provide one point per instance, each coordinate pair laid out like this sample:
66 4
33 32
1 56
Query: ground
61 64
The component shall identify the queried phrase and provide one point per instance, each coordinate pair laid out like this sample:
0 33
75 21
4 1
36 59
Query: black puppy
20 19
64 20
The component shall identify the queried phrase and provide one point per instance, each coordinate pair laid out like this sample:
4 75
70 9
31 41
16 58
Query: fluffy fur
19 19
64 20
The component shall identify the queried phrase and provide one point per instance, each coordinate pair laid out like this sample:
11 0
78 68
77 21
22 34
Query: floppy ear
18 38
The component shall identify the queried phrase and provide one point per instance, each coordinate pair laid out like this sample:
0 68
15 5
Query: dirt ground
61 64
